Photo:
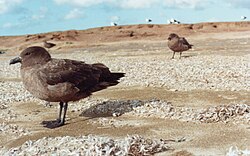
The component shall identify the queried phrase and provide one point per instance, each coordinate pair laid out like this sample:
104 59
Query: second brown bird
178 44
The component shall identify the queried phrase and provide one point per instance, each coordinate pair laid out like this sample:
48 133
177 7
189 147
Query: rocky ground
196 105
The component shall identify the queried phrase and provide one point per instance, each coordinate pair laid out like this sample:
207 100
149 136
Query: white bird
148 20
173 21
243 17
177 22
113 24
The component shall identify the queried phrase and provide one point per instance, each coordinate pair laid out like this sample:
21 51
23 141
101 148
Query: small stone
116 114
173 90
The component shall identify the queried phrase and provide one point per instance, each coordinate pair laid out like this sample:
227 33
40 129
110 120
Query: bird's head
172 35
32 56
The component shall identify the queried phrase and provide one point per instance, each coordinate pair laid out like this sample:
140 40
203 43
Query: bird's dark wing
185 42
80 74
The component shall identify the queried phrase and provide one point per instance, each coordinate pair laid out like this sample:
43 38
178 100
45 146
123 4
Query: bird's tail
116 76
190 46
106 78
106 75
111 80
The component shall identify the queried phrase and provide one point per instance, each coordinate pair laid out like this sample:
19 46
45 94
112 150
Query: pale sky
18 17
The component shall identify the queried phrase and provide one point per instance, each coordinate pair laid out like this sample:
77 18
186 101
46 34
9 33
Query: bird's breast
33 83
62 92
36 84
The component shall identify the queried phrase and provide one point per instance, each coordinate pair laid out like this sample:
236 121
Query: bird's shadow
112 108
187 56
51 124
108 108
104 109
184 56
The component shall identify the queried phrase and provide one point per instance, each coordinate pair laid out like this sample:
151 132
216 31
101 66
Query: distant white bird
113 24
243 17
169 22
148 20
173 21
177 22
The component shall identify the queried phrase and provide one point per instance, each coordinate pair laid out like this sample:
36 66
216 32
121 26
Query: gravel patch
3 106
162 109
207 72
89 145
8 115
9 71
13 130
235 151
13 92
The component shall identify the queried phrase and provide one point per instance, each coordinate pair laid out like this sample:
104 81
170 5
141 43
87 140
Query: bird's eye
27 54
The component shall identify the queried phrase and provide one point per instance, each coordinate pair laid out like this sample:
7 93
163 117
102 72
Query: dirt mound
57 36
121 33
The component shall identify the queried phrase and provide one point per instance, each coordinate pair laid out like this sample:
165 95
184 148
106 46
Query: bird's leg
180 54
61 118
60 112
173 54
65 107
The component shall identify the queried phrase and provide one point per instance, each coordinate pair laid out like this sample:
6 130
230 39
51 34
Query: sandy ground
200 138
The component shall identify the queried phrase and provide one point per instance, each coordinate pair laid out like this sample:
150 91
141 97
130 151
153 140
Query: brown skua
61 80
178 44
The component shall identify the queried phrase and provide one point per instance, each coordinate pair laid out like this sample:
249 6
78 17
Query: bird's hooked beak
15 60
169 38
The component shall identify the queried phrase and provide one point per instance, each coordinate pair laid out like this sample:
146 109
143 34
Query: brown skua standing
178 44
61 80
